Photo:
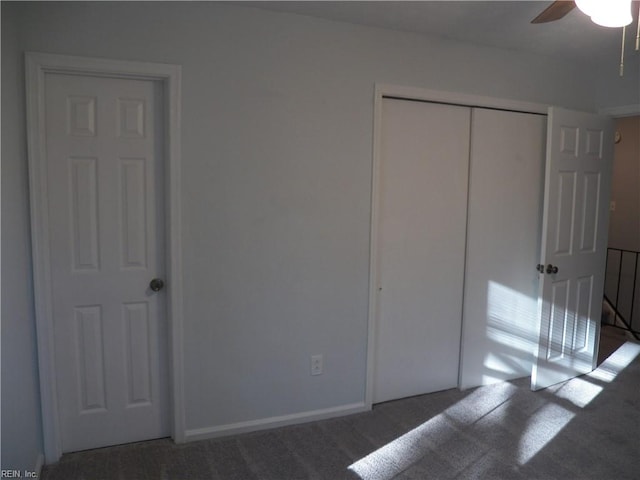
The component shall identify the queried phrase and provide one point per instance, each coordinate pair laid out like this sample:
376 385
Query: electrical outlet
316 364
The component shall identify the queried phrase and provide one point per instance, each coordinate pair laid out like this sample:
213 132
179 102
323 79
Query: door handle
552 269
540 268
156 284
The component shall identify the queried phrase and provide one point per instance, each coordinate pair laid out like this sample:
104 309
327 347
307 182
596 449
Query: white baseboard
273 422
38 465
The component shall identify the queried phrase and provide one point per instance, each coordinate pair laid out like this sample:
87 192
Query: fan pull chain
638 31
624 30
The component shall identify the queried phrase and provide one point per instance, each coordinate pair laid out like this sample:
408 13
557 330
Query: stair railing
627 321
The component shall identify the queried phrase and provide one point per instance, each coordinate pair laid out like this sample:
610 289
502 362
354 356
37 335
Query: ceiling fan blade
555 11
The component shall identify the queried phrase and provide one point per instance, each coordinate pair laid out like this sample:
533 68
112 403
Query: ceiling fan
555 11
606 13
611 13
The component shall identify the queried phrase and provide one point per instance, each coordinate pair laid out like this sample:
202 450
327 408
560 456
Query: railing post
633 292
619 275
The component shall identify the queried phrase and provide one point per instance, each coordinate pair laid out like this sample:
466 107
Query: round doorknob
156 284
552 269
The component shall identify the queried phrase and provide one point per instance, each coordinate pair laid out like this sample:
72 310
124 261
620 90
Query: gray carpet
587 428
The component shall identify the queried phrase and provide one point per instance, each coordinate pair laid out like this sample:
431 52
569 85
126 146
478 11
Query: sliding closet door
422 215
503 246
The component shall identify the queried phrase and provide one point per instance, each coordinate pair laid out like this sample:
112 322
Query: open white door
574 243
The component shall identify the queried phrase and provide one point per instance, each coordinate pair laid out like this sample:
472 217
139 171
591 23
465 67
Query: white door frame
37 66
420 94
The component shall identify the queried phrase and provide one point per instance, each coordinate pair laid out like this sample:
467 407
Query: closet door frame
417 94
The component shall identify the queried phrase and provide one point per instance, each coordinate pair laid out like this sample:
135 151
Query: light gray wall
21 424
277 151
612 90
624 222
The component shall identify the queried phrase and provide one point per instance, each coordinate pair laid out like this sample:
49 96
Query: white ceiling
494 23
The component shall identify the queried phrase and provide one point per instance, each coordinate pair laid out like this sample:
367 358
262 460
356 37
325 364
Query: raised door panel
136 322
90 348
131 117
590 201
83 214
565 213
81 116
133 198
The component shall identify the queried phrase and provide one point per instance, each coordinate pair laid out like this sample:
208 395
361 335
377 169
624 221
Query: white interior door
424 163
104 177
574 242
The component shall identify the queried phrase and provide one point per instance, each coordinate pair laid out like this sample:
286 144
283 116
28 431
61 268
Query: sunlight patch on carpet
398 455
480 402
616 363
579 392
542 427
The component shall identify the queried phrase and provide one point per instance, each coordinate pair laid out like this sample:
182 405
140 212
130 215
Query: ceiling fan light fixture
607 13
588 7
